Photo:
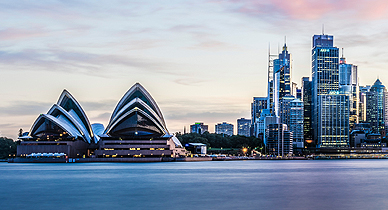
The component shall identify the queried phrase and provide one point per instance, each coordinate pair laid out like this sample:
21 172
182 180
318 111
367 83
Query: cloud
99 105
24 108
212 45
205 116
310 9
80 62
190 81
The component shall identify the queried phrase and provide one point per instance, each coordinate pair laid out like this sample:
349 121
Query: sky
201 60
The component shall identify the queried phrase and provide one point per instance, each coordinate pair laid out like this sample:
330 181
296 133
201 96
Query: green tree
7 147
20 132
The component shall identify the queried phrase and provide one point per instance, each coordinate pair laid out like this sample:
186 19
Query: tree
221 141
20 132
7 147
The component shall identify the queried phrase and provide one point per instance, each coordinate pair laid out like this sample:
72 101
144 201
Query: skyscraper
325 63
307 106
348 84
291 114
362 103
279 140
333 120
296 123
285 109
243 127
281 78
258 104
375 105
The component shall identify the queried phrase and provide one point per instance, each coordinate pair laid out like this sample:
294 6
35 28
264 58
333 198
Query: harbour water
264 184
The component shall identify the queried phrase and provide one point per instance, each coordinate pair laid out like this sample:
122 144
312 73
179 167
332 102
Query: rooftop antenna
269 48
323 29
342 52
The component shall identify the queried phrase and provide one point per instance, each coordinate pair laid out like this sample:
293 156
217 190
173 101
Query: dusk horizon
202 61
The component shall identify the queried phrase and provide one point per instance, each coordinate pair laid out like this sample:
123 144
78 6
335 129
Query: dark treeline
218 140
7 147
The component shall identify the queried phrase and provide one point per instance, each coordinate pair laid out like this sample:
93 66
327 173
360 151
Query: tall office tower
279 140
362 103
324 73
294 88
285 108
307 106
299 93
243 127
258 104
273 62
333 120
348 83
386 112
291 114
224 128
375 105
198 128
281 78
262 123
296 123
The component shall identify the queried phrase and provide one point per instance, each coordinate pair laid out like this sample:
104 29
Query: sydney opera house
136 130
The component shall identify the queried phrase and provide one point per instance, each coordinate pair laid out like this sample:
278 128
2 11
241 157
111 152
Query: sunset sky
201 60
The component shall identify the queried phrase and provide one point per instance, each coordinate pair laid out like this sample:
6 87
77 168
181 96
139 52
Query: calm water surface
318 184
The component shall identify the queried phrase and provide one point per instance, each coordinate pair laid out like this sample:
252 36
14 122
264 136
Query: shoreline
184 159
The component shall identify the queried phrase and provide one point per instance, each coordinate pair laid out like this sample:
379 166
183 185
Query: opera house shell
136 130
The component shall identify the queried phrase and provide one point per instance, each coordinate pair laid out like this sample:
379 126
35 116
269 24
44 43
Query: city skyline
203 61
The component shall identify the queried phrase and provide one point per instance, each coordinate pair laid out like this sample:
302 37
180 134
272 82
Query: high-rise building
281 78
294 89
243 127
348 83
299 93
198 128
325 61
285 108
262 123
279 140
307 106
296 123
258 104
375 105
291 114
362 103
333 120
224 128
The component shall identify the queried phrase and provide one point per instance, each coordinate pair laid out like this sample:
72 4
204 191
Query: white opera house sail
136 130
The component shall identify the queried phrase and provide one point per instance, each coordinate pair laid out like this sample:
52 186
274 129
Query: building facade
243 127
375 107
348 83
296 123
199 127
333 127
224 128
279 140
257 106
325 61
307 113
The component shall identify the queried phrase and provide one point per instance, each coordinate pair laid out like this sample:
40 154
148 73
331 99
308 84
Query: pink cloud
16 34
312 9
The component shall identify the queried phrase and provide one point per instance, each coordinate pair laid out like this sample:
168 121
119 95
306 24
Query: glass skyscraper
375 105
333 120
307 106
348 83
325 61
